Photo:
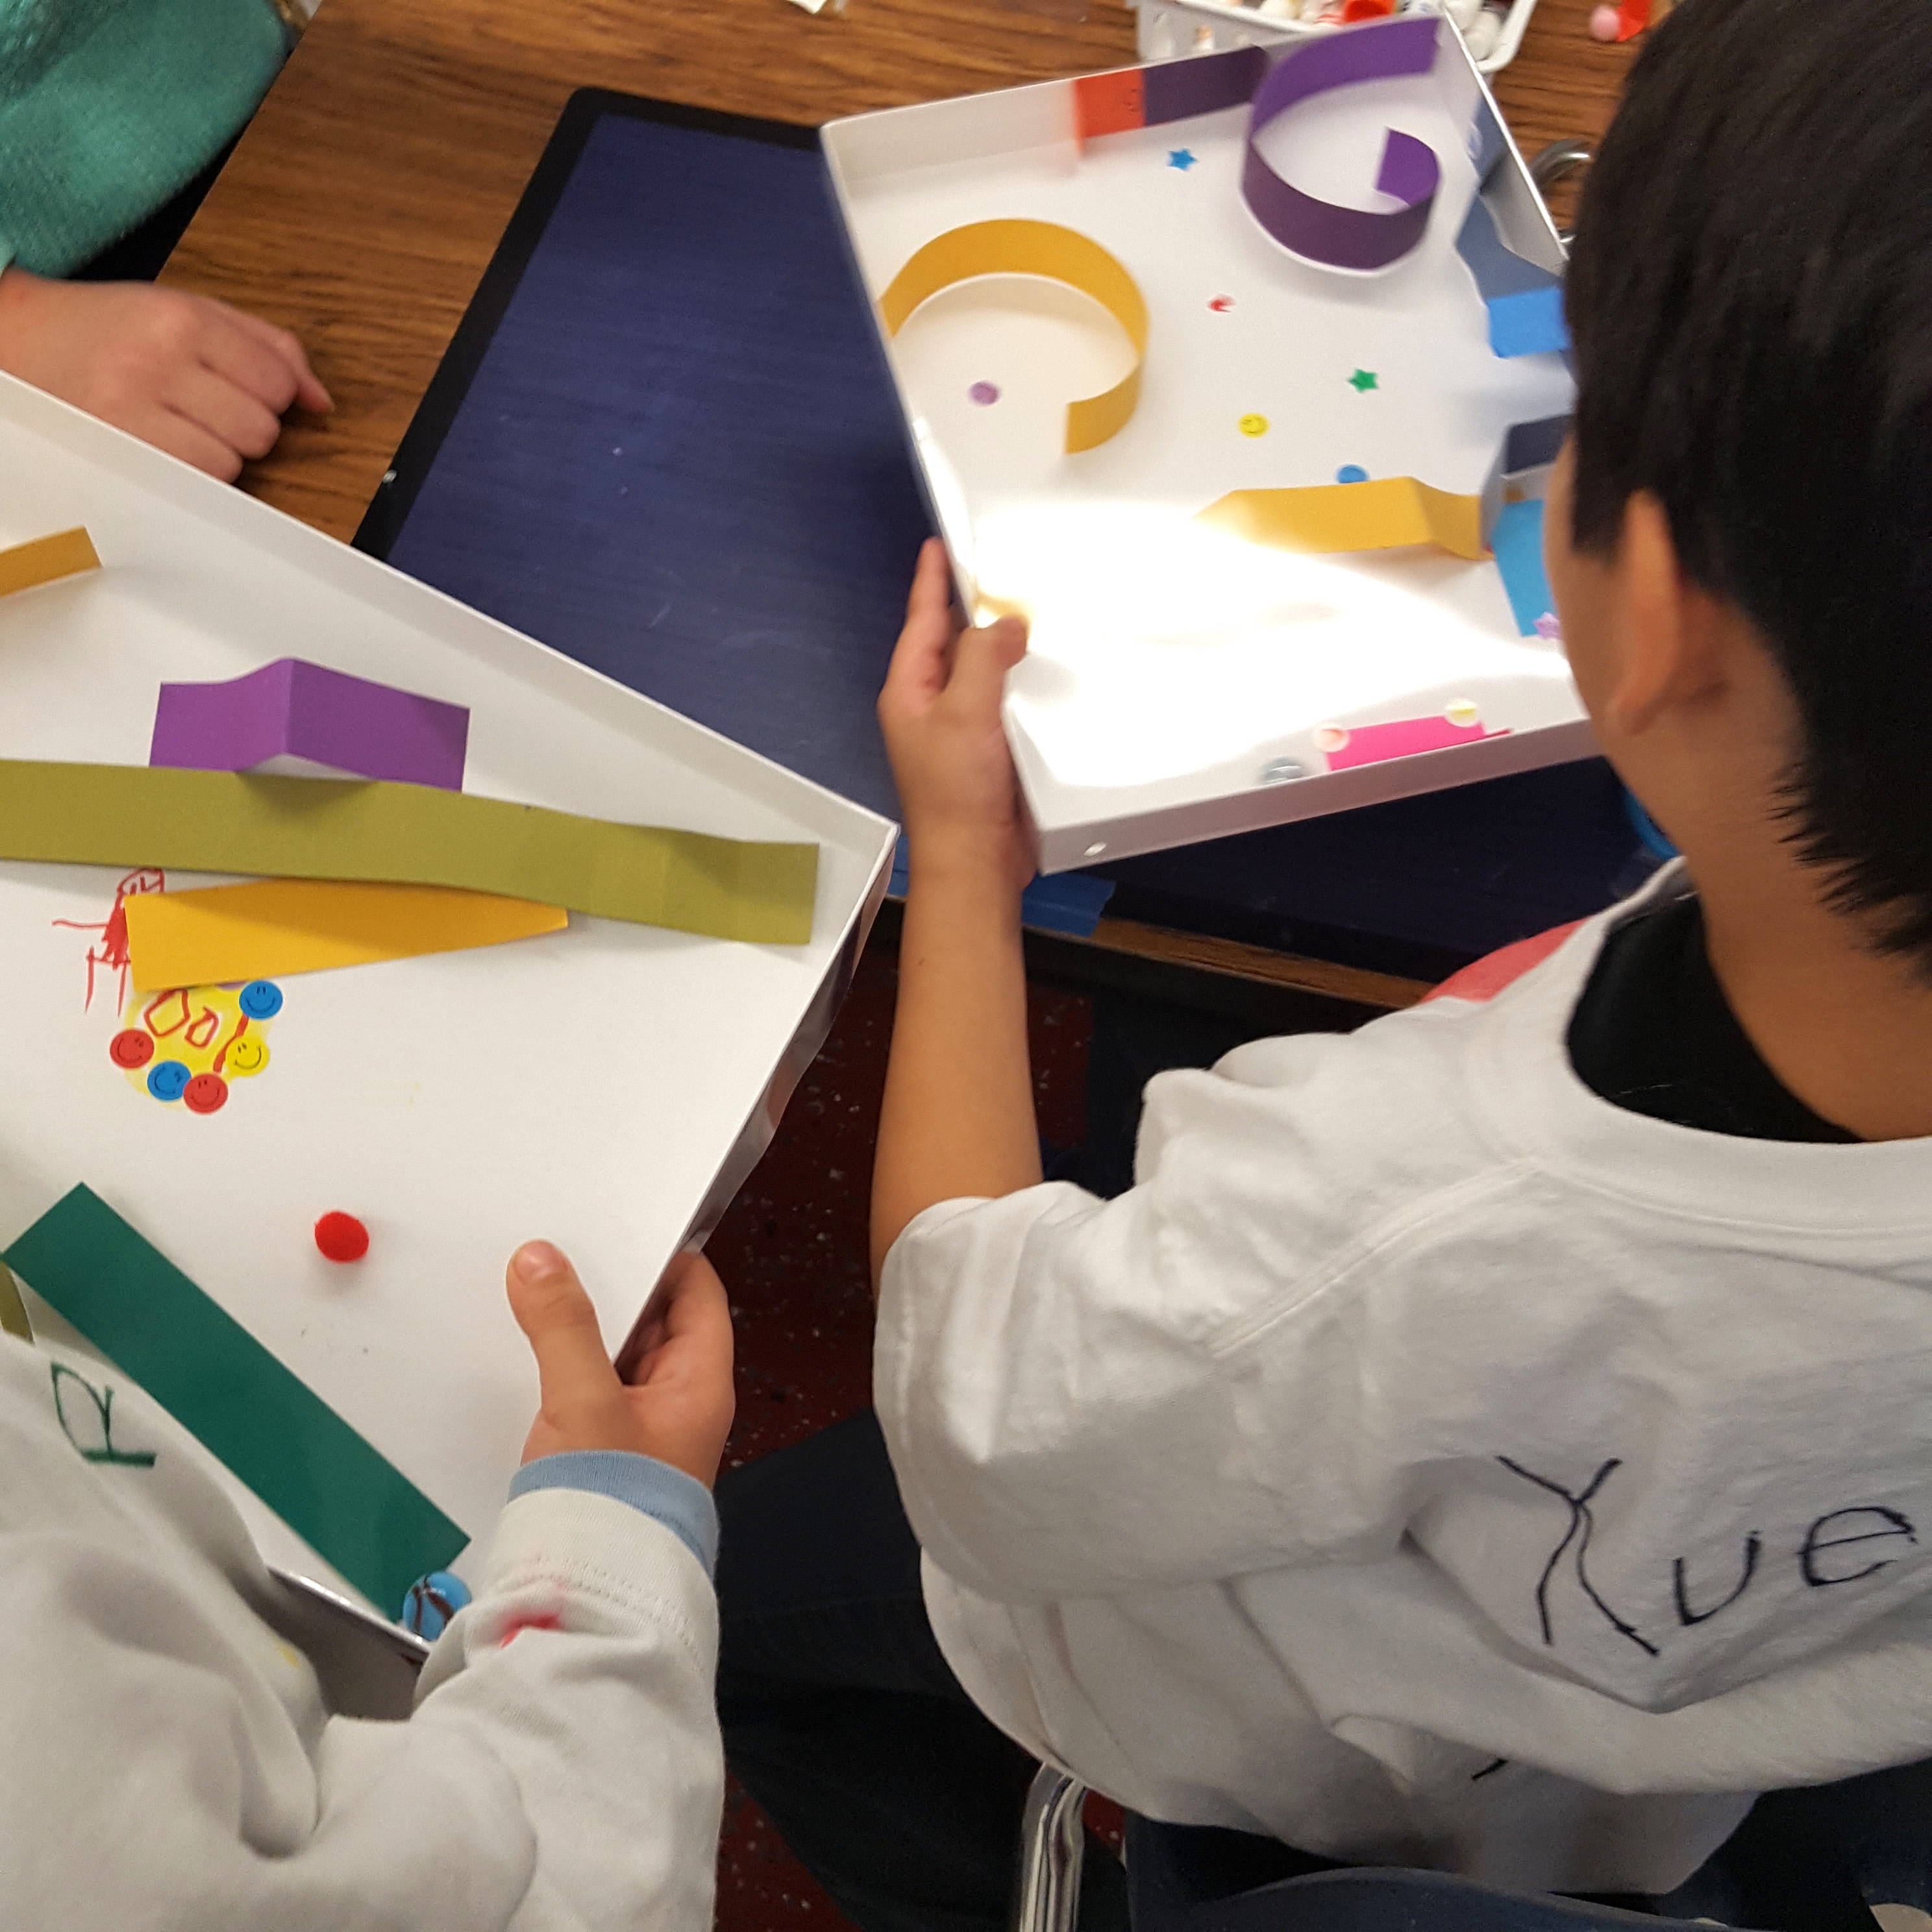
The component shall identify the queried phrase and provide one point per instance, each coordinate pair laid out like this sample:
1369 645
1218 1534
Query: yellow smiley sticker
245 1057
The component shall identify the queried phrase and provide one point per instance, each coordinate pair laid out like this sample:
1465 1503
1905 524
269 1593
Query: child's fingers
981 660
560 1325
931 593
919 662
697 1311
309 391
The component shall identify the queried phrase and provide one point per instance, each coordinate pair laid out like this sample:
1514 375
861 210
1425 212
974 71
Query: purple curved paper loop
1320 231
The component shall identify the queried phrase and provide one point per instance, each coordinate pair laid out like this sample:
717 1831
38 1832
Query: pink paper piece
293 708
1402 738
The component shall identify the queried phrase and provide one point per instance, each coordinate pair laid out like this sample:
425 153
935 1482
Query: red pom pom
342 1237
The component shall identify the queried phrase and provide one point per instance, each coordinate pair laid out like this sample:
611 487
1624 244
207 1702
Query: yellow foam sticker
1045 248
279 926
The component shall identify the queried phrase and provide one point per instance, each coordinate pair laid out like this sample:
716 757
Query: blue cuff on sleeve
680 1502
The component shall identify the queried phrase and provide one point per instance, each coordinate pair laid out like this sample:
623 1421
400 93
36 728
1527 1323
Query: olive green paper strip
199 821
332 1487
12 1311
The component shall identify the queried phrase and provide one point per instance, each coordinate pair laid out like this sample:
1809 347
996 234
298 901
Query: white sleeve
156 1772
1083 1398
588 1663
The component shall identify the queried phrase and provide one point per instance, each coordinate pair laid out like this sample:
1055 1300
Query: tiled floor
793 1252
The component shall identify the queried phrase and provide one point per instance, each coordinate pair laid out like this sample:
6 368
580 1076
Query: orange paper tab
1109 104
67 554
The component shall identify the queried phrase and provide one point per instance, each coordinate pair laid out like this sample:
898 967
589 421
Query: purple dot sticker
984 394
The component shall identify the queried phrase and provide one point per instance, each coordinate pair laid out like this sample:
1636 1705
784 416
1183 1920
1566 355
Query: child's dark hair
1750 297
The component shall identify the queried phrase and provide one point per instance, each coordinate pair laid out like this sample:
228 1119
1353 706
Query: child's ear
1668 646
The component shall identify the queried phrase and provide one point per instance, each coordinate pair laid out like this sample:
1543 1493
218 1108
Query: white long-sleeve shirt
1428 1462
167 1761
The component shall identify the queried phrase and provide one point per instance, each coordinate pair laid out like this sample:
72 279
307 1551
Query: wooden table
368 193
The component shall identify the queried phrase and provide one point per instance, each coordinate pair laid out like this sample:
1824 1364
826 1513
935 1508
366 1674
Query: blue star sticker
1183 158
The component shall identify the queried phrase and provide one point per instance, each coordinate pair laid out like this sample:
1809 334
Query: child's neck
1848 1030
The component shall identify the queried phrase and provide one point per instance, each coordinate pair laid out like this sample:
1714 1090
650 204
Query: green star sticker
1362 380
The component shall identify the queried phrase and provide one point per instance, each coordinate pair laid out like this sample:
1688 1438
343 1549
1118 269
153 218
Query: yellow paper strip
406 834
64 554
278 926
1034 248
1383 514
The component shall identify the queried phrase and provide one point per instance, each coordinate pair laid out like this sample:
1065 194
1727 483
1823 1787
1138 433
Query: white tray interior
586 1086
1172 664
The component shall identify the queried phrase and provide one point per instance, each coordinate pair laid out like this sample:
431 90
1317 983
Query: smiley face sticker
247 1055
184 1047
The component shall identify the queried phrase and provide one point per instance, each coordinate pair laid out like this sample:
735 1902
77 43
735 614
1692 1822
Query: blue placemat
665 441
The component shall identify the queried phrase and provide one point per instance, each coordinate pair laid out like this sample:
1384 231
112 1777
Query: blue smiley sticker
260 999
167 1080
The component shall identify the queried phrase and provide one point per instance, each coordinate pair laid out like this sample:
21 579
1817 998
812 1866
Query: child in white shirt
1498 1440
169 1753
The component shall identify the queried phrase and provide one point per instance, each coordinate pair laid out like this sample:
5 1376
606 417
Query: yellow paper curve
1045 248
1382 515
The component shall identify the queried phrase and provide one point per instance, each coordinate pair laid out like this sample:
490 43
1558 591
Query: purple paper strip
1202 84
1320 231
291 708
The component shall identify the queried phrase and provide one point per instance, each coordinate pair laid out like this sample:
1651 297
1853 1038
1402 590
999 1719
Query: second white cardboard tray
606 1086
1176 671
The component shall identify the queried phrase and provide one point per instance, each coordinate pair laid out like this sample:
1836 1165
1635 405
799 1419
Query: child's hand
679 1402
940 712
190 375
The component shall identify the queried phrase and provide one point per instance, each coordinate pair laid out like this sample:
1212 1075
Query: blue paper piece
1530 323
1068 902
1517 540
1525 302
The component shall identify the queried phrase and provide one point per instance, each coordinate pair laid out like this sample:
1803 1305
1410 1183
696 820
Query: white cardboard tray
608 1087
1173 670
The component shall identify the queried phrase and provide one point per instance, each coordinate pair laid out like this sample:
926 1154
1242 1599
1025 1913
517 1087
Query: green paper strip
12 1311
324 1480
406 834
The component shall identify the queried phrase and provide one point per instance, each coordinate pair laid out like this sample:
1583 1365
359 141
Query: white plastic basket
1166 29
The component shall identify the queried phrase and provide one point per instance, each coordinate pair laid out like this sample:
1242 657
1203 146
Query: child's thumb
560 1325
982 658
